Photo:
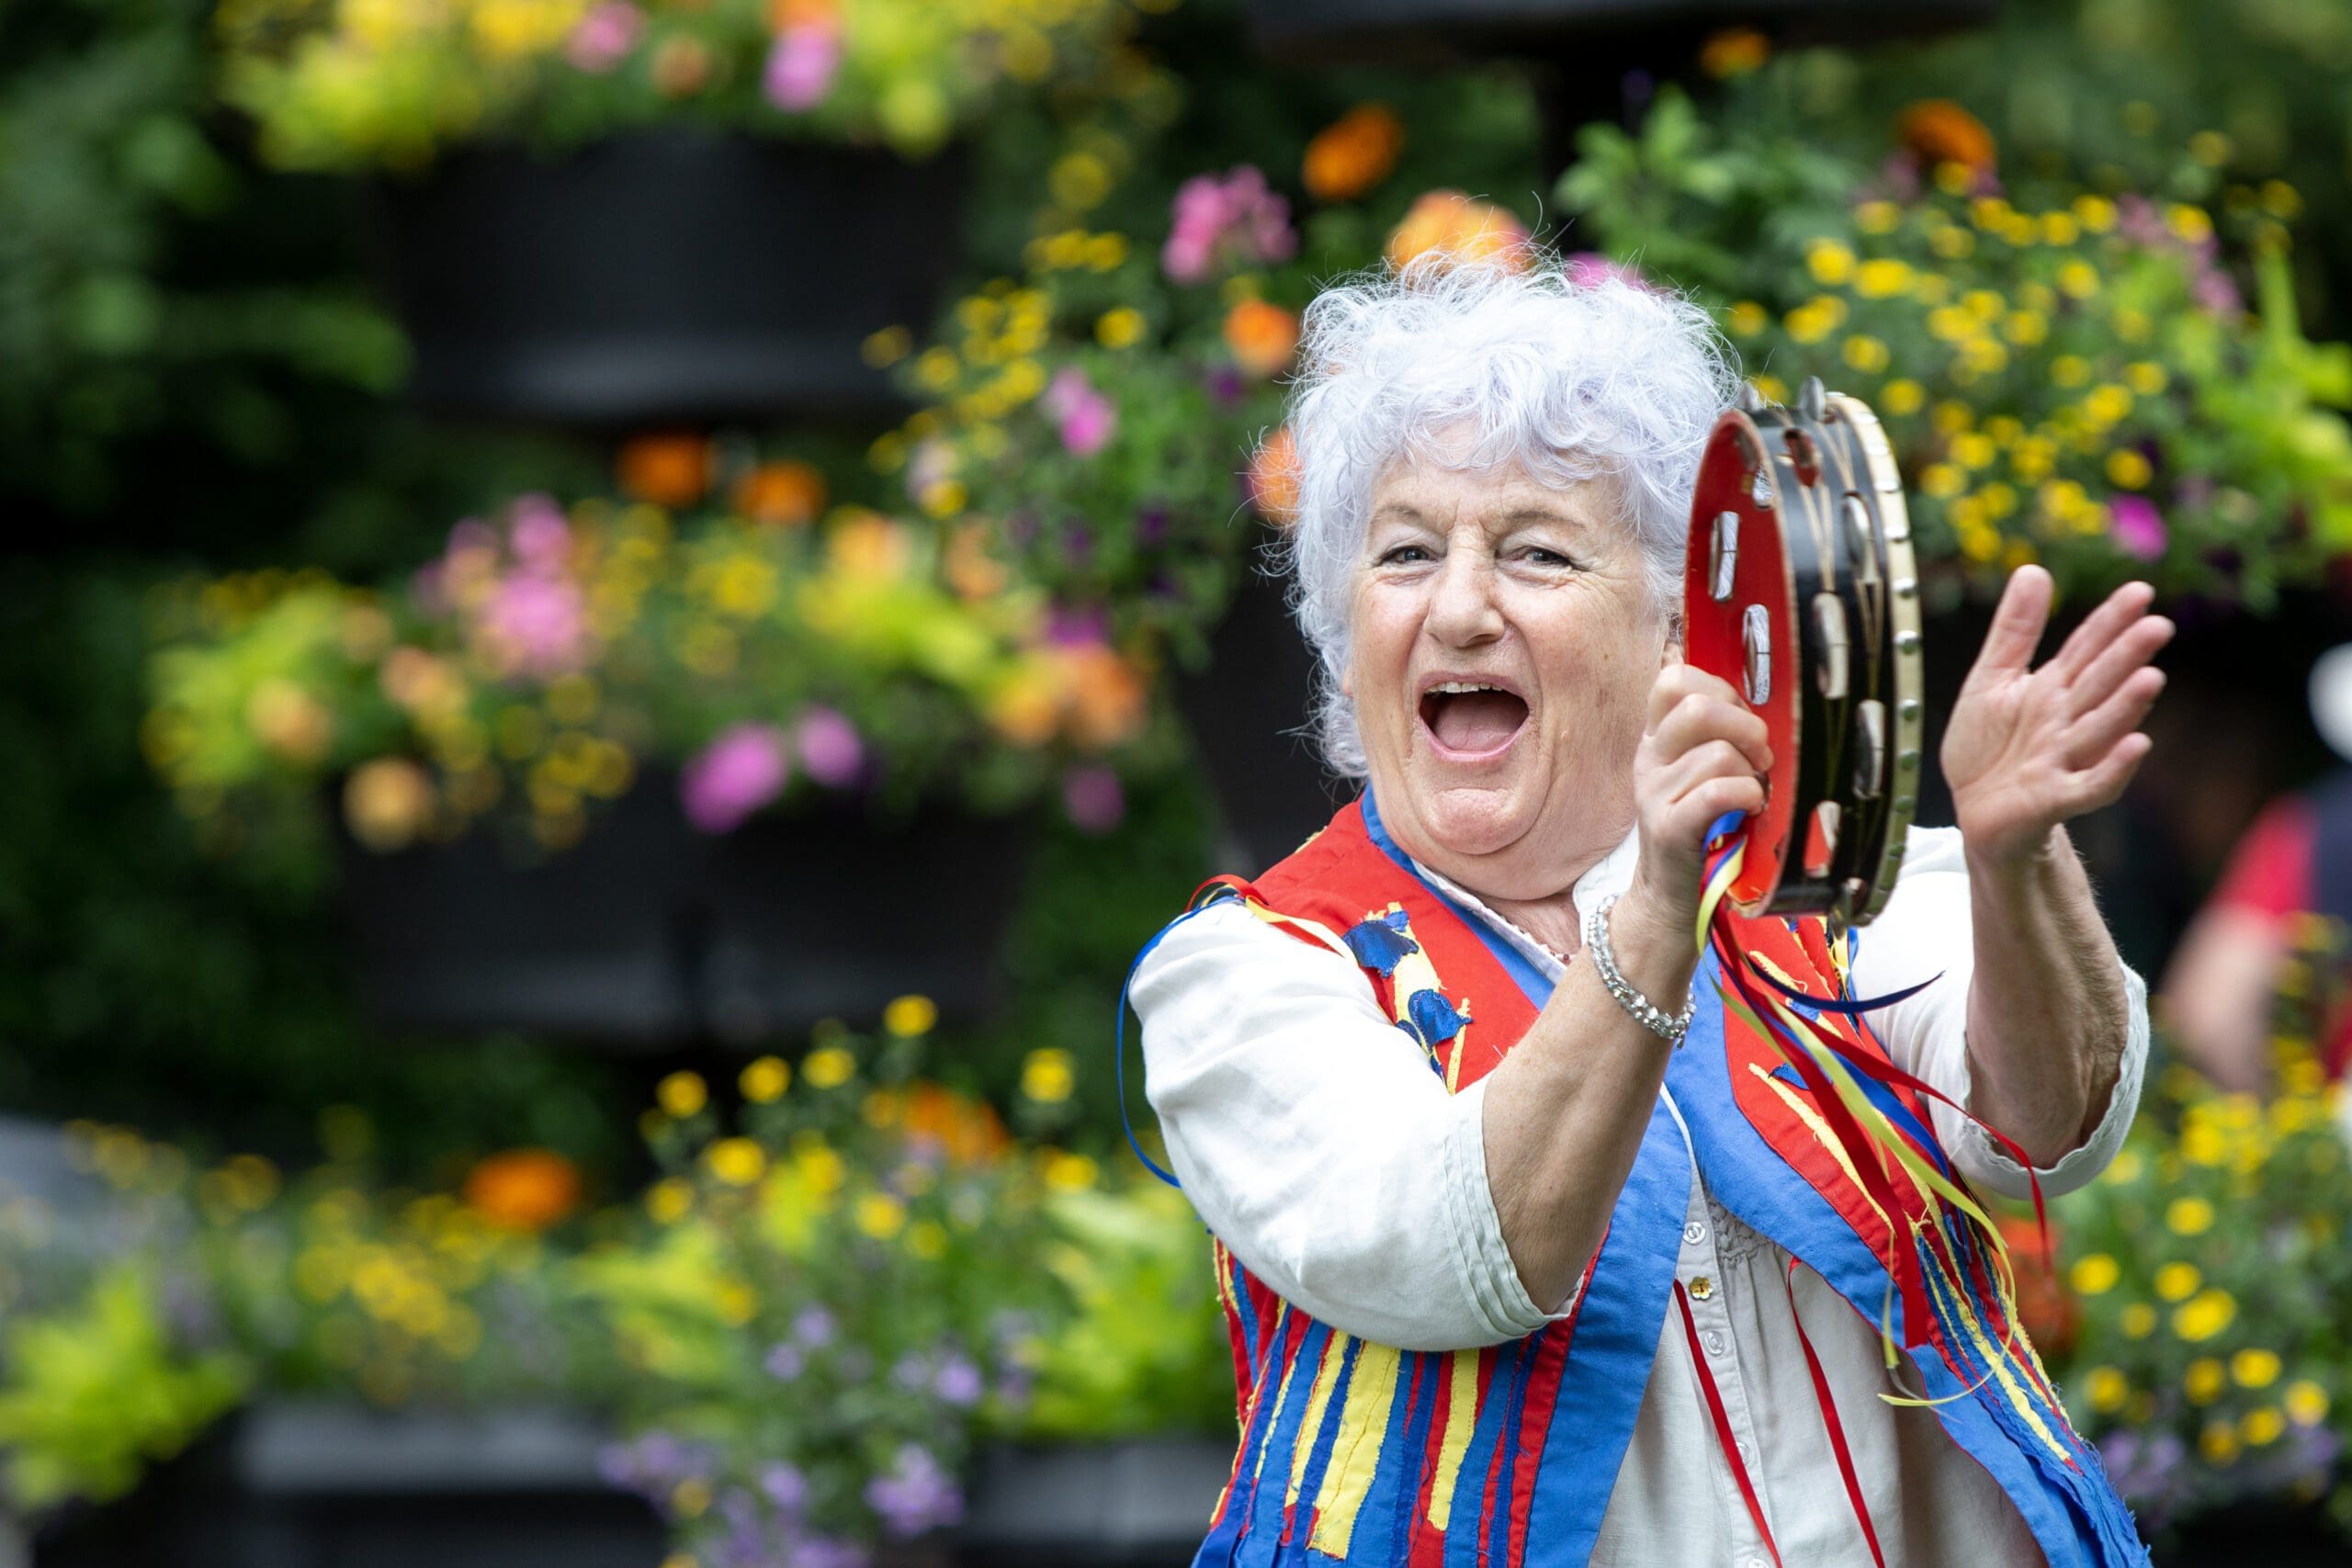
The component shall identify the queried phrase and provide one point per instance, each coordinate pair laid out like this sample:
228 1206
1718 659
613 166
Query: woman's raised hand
2028 749
1702 755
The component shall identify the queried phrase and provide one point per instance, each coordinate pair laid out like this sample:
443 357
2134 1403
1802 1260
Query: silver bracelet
1667 1028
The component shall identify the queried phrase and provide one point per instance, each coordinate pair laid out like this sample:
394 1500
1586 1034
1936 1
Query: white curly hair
1564 367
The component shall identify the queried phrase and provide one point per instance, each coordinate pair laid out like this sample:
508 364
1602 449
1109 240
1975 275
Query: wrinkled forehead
1499 493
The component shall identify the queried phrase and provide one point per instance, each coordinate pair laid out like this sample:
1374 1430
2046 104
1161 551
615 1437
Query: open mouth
1470 721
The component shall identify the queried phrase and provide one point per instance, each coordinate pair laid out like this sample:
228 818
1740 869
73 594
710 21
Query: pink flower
2137 526
738 772
1094 799
802 65
829 745
602 37
538 624
1235 222
1086 417
541 536
1590 269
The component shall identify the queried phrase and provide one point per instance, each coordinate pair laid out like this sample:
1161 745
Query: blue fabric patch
1380 943
1434 1019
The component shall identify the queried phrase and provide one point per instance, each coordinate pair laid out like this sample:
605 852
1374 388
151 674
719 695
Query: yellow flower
1953 243
2189 222
927 1239
2218 1441
910 1016
2095 212
1120 328
937 369
1830 263
886 347
1902 396
880 1215
2139 1320
1746 319
1942 480
2025 328
1105 251
1771 388
2177 1282
2070 370
690 1498
764 1081
2145 377
2202 1381
2254 1367
1046 1076
2108 1389
739 1162
2188 1217
829 1066
2060 229
1973 449
1865 354
2129 470
2077 280
2094 1275
668 1200
1877 217
1067 1172
2306 1403
2108 403
2209 1312
2261 1425
682 1094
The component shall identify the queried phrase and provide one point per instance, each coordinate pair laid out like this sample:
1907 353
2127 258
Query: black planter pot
671 274
1245 711
1143 1503
301 1484
648 934
1413 33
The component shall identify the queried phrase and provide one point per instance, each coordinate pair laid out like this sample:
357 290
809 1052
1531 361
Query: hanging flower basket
668 275
649 933
1422 32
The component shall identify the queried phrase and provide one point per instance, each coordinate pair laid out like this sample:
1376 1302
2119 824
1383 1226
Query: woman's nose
1463 612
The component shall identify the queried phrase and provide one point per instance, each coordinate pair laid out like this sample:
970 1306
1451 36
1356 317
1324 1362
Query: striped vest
1360 1454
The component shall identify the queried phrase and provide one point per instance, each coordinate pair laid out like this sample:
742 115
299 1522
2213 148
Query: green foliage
92 1395
1146 1350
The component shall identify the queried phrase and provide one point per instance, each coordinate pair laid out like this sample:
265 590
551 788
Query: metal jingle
1755 644
1829 631
1723 560
1813 399
1751 399
1870 749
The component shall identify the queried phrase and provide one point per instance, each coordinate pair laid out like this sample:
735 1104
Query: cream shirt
1316 1143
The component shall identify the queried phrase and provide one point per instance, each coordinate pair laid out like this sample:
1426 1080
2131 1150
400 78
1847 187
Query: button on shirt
1312 1137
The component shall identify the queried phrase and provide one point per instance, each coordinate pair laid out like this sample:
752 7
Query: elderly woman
1521 1268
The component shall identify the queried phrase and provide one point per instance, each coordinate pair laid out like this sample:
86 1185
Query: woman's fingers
2102 784
2017 623
2100 627
1700 717
2091 736
2129 651
1678 681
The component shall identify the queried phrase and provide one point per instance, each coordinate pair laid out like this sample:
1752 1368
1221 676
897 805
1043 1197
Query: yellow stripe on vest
1461 1415
1318 1400
1355 1456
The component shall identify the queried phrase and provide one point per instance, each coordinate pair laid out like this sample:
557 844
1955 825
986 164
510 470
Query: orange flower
1355 154
1463 226
523 1190
680 67
1939 132
387 801
973 569
870 545
2044 1304
1262 337
1735 52
1026 707
783 14
1104 695
1273 478
966 1130
783 495
670 471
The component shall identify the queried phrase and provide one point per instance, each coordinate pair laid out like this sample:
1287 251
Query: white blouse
1312 1137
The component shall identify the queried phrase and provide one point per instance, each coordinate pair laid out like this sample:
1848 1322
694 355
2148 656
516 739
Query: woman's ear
1671 647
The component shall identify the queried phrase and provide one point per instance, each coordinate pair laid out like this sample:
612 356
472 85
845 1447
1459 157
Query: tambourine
1800 591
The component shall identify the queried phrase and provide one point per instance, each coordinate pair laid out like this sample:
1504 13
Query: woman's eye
1547 558
1403 554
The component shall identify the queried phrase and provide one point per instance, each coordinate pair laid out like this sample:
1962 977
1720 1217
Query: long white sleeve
1924 928
1315 1141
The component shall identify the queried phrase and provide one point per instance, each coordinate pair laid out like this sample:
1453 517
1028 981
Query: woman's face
1505 643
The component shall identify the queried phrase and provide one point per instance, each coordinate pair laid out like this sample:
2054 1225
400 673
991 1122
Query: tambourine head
1799 592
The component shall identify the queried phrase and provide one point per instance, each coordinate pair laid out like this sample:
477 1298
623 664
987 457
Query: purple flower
784 1486
831 751
2137 528
605 36
1071 625
785 1362
826 1551
801 67
958 1382
1151 525
1094 799
912 1372
915 1496
738 772
1234 222
814 1326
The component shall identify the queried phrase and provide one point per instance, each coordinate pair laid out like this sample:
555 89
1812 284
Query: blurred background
620 617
